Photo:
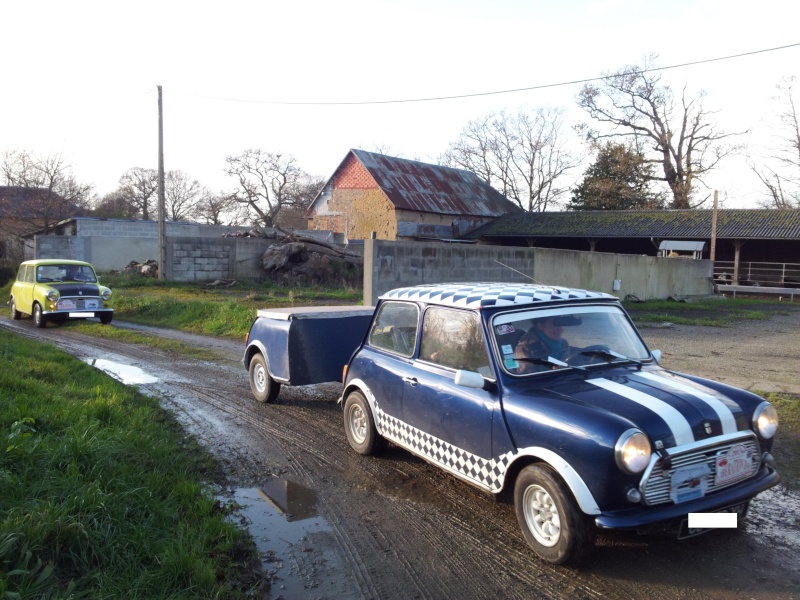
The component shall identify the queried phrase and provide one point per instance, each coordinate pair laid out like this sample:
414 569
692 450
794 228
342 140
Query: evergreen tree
617 180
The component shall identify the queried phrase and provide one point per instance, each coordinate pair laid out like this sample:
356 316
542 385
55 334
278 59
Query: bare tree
140 188
678 135
115 205
51 190
524 157
782 182
267 183
181 195
219 209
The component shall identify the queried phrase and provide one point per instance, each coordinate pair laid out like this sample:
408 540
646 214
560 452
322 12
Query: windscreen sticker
511 363
507 349
504 329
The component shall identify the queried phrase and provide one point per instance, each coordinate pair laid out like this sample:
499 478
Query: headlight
632 451
106 294
765 420
52 295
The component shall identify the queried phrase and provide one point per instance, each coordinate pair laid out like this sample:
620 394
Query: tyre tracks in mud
401 527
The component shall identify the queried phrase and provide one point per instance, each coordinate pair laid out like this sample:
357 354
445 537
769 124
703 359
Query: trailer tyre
264 387
359 425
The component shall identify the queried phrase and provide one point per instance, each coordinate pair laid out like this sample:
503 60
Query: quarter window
454 339
395 328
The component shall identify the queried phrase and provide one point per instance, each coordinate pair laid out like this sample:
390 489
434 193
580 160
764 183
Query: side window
21 273
395 328
454 339
29 274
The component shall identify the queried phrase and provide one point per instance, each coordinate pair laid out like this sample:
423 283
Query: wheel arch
538 455
253 348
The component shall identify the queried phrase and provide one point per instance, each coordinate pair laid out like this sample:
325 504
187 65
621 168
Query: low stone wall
389 265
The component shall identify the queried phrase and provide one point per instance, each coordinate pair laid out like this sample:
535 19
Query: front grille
655 485
73 303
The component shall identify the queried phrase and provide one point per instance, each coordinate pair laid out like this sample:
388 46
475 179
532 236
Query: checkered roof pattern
479 295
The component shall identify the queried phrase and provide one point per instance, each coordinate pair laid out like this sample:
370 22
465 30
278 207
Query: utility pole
162 227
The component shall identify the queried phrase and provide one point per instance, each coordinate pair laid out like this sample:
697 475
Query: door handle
410 380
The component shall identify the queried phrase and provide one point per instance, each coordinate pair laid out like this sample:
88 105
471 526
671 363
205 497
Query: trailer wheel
264 387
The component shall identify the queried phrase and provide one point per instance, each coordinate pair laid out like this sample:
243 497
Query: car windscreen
62 273
535 341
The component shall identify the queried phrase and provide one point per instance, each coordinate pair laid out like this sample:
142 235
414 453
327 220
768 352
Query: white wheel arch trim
570 476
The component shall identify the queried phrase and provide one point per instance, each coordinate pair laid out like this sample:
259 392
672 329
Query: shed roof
421 187
731 224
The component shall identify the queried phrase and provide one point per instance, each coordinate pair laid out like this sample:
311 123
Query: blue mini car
551 395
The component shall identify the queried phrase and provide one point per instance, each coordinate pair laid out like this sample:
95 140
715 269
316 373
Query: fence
761 274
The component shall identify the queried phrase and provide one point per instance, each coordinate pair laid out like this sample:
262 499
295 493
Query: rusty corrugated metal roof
422 187
731 223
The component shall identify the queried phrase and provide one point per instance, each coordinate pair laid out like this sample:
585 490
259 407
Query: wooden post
713 249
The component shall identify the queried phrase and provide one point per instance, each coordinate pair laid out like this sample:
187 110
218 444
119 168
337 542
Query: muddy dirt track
393 527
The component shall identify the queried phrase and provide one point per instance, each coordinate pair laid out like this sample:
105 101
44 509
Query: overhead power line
494 93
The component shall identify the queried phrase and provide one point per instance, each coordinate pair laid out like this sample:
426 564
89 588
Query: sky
80 78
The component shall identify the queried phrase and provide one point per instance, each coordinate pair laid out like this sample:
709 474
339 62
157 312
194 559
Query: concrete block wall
388 265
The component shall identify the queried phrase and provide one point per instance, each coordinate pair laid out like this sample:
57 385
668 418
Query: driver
544 340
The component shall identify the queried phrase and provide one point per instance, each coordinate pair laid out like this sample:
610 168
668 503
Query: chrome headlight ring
632 451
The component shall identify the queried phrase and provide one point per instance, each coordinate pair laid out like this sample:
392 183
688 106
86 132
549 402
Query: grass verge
101 490
713 312
787 442
218 311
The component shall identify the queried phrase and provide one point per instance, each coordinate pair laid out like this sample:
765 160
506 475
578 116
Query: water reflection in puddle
282 518
127 374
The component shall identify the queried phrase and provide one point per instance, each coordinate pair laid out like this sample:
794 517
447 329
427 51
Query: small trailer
301 346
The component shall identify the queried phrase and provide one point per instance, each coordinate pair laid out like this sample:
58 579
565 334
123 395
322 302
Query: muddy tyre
15 314
38 316
549 517
359 426
263 386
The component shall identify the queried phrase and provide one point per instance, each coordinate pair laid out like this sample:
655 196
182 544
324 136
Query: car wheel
549 517
105 318
15 314
264 387
38 316
359 425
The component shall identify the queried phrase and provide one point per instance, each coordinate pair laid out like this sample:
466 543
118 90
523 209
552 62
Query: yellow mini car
57 290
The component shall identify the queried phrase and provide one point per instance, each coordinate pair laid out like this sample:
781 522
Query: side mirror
469 379
656 355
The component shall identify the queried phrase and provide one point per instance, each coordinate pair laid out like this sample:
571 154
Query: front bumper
655 517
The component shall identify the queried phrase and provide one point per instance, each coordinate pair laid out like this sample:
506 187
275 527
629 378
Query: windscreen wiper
612 357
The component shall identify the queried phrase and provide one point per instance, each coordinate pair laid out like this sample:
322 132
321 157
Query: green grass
787 442
715 312
227 311
101 490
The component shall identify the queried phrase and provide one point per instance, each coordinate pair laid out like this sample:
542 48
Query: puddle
127 374
292 538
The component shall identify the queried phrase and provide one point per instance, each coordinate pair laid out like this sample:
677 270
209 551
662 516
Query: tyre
15 314
38 316
359 425
264 387
105 318
549 517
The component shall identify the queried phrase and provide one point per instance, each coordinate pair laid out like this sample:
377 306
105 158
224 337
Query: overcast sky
79 78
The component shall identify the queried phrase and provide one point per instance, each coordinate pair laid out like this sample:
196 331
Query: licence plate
735 464
684 531
81 315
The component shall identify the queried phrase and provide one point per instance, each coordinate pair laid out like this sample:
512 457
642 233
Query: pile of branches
305 258
148 268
